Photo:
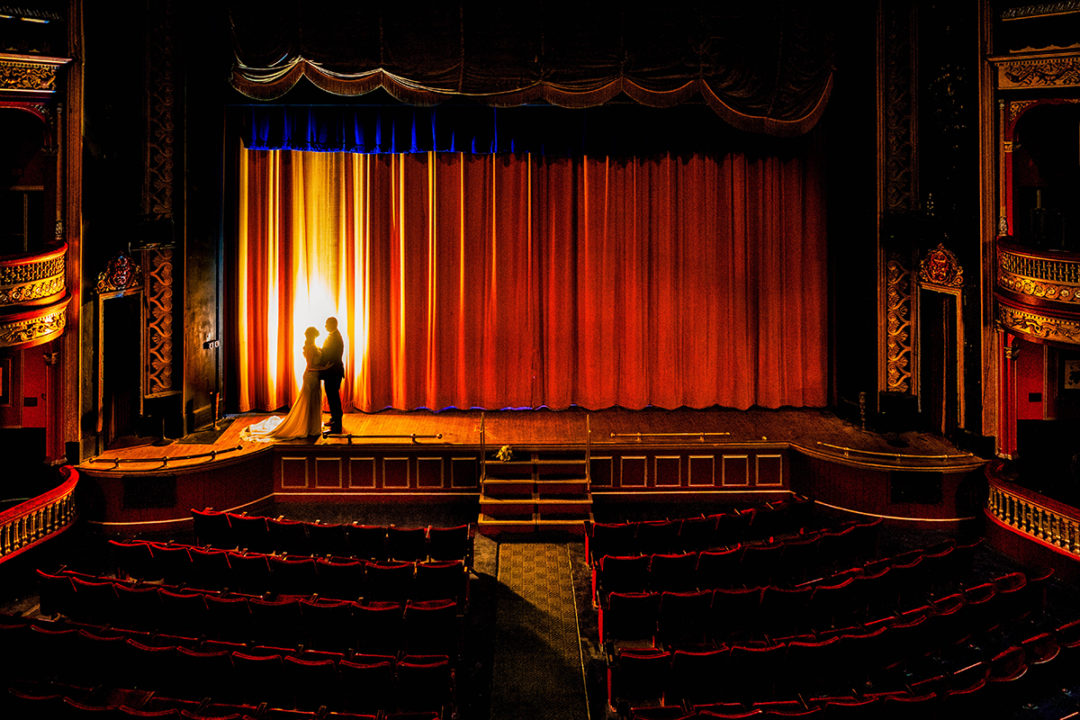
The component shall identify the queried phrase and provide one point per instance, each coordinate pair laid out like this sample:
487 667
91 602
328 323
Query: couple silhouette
324 368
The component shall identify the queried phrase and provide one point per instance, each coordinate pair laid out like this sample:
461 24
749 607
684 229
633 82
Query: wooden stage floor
819 430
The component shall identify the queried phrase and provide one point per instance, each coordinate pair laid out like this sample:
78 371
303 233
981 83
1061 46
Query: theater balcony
33 297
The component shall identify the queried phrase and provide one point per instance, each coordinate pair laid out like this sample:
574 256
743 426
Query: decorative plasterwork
1039 326
1046 71
159 112
898 348
1044 278
121 273
34 327
33 279
159 320
28 74
898 113
940 268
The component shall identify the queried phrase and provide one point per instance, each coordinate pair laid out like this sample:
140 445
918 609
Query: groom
332 372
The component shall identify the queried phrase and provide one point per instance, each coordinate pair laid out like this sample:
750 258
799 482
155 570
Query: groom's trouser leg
333 398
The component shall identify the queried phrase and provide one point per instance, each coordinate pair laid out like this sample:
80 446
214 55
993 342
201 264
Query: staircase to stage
535 491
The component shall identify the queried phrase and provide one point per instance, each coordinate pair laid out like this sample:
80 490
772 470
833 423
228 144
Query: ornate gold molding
1058 70
34 327
34 279
29 73
1039 326
1045 278
121 273
940 268
898 336
159 320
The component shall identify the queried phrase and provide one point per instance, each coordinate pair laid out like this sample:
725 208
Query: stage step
535 491
492 526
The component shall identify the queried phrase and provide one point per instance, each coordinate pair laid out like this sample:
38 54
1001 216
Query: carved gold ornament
35 327
34 279
898 339
121 273
1043 327
29 73
1050 72
941 268
1039 277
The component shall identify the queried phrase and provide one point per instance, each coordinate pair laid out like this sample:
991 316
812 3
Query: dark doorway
121 369
938 386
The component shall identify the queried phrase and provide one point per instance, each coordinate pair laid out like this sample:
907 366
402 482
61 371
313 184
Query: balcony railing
36 520
1029 513
36 279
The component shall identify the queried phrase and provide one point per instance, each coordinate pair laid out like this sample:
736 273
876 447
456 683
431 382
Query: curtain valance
763 67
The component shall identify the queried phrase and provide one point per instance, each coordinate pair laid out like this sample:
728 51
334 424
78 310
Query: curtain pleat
498 281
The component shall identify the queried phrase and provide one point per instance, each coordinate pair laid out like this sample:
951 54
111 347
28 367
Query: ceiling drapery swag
764 67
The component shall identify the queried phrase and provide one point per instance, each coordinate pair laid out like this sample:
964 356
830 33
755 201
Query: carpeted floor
537 671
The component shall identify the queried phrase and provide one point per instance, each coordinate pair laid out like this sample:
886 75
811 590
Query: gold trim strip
1034 275
895 517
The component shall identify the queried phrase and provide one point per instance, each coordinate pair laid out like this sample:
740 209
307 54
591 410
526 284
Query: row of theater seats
415 626
983 689
89 656
702 532
221 529
684 620
813 663
787 560
255 572
884 585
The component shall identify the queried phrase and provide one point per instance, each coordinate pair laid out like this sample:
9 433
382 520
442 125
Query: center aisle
537 670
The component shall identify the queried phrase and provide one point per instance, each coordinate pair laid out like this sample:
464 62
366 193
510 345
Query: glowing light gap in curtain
525 281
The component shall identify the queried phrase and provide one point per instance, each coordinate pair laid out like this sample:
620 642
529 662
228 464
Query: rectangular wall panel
633 471
328 473
702 470
600 471
396 472
429 472
294 473
362 472
735 470
464 472
667 470
770 470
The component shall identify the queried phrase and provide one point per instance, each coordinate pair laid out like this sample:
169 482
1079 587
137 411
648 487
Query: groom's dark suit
332 374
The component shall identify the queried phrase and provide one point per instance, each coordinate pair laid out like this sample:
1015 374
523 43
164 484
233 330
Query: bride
305 416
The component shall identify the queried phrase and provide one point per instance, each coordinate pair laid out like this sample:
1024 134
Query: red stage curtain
501 281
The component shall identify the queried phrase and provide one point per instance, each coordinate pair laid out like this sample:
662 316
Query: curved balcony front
1038 293
36 279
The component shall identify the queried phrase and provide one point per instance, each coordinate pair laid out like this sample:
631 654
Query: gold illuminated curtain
501 281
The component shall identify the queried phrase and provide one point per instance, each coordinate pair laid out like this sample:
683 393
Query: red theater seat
432 627
450 543
228 618
293 575
683 619
212 528
172 562
367 542
622 573
250 532
676 572
312 682
388 581
379 627
367 685
131 559
629 617
734 613
657 536
697 534
701 676
250 572
719 568
423 686
408 544
614 539
328 624
436 580
211 568
638 677
288 536
327 539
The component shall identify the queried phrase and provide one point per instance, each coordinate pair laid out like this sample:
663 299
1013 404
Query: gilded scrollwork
159 302
1053 72
121 273
898 349
1044 327
941 268
23 75
1039 277
40 328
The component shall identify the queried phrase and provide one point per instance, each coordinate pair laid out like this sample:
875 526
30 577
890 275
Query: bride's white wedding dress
305 416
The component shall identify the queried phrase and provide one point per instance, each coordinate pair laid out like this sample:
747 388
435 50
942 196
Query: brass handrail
898 455
412 436
165 459
639 435
35 520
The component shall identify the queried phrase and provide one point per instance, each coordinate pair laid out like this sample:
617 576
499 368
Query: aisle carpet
537 670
